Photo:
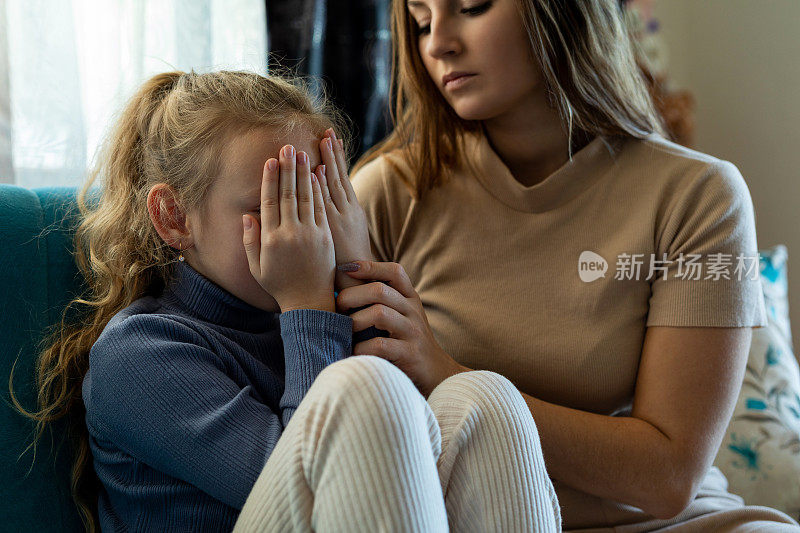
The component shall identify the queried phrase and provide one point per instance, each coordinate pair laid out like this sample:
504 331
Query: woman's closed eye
470 11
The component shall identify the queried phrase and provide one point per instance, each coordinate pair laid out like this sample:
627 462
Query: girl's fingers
332 173
320 218
305 198
288 177
341 165
252 244
270 196
323 184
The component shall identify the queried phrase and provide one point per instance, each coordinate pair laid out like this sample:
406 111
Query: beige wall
741 61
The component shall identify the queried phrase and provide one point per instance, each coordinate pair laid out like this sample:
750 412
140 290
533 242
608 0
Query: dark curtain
346 45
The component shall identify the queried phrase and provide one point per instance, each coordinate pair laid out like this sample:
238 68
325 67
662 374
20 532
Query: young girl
211 258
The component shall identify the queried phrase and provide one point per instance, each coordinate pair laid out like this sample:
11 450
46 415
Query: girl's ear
168 216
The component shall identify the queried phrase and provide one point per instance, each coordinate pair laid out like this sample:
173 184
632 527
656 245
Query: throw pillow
760 453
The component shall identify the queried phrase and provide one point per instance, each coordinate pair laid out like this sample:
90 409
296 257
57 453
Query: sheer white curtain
67 67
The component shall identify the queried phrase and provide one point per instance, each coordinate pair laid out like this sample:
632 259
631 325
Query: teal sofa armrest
38 277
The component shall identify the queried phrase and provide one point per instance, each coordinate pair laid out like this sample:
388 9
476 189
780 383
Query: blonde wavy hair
173 130
588 65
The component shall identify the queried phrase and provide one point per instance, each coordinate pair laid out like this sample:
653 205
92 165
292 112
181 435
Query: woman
526 146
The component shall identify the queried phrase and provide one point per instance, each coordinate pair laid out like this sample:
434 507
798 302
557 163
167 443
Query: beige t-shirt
496 264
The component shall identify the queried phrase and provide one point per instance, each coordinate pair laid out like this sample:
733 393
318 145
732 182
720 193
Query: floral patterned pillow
760 454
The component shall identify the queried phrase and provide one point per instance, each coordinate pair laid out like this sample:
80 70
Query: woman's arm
686 390
688 378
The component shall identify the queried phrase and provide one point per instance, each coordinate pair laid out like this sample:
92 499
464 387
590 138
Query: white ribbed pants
366 452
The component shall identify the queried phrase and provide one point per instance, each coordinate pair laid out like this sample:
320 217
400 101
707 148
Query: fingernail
333 134
323 170
348 267
272 164
248 223
289 151
328 143
302 158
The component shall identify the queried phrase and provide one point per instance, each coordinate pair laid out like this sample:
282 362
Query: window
67 68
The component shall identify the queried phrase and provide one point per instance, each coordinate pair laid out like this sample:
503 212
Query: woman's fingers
392 273
372 293
270 196
337 192
305 198
384 347
382 317
288 172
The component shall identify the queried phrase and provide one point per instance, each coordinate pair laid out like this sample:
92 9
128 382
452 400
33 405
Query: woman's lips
455 83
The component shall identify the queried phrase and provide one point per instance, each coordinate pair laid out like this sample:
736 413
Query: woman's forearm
620 458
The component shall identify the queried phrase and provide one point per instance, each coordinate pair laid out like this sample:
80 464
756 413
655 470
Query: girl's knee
377 394
480 384
369 377
358 368
484 391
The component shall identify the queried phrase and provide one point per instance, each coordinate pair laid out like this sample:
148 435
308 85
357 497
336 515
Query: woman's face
485 39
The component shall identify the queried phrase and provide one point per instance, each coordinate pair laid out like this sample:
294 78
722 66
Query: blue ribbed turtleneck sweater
186 396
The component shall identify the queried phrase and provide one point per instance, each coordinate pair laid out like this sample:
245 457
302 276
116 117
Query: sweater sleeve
710 223
312 339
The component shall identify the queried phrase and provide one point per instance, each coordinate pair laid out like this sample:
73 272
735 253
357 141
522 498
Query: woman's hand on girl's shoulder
346 217
290 250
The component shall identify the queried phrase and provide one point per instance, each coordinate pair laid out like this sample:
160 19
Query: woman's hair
173 130
587 64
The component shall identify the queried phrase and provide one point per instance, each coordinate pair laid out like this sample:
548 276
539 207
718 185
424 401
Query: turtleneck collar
204 299
588 165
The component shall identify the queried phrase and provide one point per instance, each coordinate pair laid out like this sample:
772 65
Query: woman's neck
530 140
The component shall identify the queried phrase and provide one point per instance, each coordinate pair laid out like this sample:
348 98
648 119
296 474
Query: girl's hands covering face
290 250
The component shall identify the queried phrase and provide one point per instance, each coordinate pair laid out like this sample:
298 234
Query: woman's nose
443 39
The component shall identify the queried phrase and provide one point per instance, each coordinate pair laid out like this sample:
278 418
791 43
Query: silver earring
180 255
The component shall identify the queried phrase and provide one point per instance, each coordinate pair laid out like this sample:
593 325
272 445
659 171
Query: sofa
760 454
